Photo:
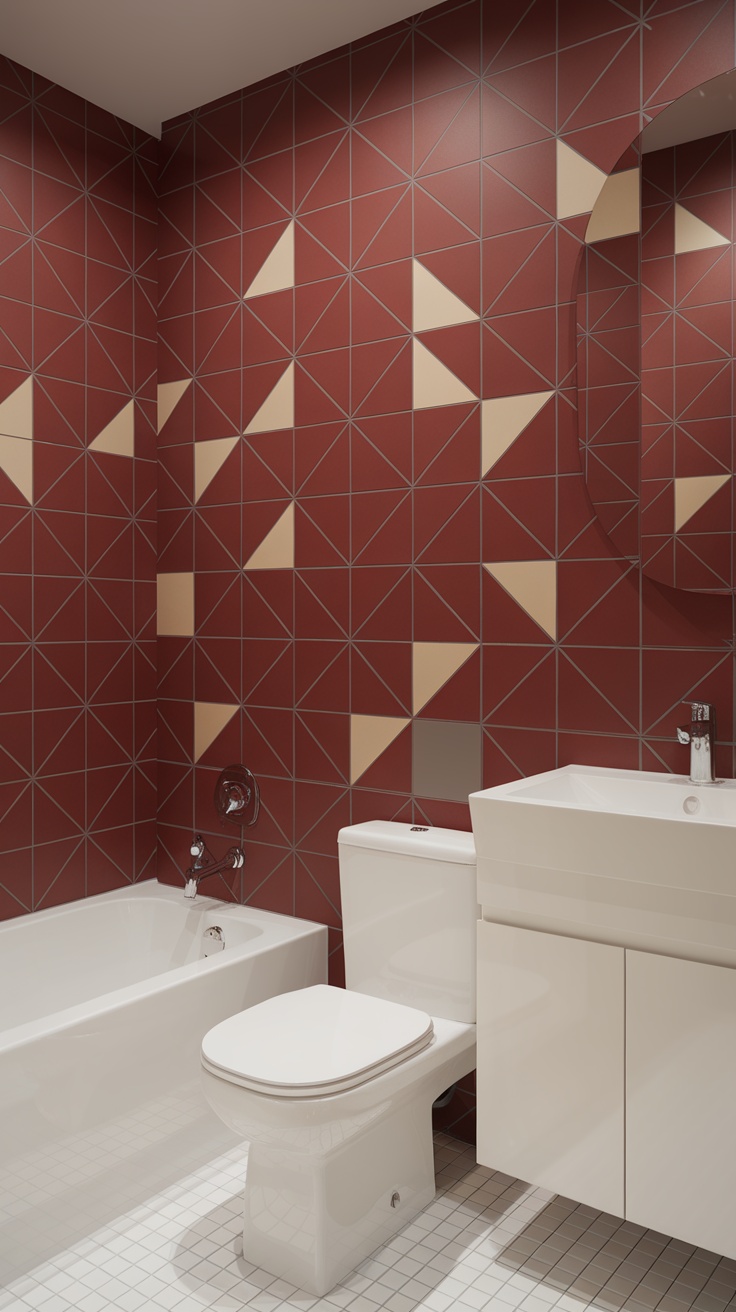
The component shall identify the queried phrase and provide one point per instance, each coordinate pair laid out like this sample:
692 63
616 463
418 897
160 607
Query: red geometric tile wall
356 518
609 382
77 496
318 577
687 362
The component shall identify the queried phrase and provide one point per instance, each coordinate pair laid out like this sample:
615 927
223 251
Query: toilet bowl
333 1088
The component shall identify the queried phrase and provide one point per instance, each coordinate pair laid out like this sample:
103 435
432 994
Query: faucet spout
204 864
700 736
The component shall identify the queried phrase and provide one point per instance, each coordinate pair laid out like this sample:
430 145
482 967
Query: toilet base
312 1219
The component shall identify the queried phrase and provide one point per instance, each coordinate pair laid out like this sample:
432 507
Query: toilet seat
315 1041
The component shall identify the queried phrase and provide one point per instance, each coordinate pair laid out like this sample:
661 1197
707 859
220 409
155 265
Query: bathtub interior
57 959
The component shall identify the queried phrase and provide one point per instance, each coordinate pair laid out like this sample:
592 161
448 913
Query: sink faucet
701 735
204 864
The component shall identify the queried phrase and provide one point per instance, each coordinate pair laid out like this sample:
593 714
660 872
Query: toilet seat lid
314 1041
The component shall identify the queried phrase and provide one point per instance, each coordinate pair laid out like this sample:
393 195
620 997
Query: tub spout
204 864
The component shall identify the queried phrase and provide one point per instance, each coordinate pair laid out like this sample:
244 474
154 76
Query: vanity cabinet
609 1075
681 1099
550 1062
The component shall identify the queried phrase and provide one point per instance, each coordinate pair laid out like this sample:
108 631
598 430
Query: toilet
333 1087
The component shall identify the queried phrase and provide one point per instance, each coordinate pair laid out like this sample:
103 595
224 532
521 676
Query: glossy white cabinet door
681 1099
550 1062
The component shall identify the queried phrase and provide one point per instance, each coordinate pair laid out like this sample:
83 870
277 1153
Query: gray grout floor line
486 1242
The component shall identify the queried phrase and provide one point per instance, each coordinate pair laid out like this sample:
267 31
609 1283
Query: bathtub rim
278 929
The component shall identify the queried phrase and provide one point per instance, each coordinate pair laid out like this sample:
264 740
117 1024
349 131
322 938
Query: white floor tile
167 1239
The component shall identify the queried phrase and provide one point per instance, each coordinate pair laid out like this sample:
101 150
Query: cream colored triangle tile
277 271
692 234
16 460
692 493
503 418
370 735
434 305
169 396
277 411
533 584
175 604
435 384
16 411
118 437
209 457
617 210
210 719
277 548
433 663
579 182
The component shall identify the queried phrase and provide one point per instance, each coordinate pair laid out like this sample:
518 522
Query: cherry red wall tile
358 468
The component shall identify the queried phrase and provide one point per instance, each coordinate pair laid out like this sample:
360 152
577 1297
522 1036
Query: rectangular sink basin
643 859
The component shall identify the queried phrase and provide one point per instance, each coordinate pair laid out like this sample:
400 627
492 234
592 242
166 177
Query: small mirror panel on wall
656 345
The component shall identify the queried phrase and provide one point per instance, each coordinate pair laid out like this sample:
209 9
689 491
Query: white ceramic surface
322 1171
409 914
111 997
636 858
315 1041
331 1177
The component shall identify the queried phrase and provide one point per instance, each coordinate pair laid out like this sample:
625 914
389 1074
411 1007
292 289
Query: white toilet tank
409 907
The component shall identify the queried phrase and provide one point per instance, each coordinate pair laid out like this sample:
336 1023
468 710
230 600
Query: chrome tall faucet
204 864
700 734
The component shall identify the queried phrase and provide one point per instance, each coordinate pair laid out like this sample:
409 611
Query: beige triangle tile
277 548
617 210
118 437
209 457
277 411
175 604
578 182
210 719
503 418
433 663
434 305
16 411
277 271
435 384
692 493
533 584
692 234
169 396
370 735
16 460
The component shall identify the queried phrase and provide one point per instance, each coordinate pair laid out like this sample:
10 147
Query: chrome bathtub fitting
204 864
700 735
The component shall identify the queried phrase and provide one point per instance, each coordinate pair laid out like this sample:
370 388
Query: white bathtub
103 1006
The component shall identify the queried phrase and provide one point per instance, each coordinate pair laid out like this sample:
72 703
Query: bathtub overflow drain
214 940
395 1198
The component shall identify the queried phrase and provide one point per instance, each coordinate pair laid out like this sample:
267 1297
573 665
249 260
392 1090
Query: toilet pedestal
311 1219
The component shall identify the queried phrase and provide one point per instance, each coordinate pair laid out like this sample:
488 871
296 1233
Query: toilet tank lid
433 844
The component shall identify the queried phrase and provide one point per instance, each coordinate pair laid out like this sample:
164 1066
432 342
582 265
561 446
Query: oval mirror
656 338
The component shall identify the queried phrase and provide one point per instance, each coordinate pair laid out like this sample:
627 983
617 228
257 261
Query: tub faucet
204 864
700 734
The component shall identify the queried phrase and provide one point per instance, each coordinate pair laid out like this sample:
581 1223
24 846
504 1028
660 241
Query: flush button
691 805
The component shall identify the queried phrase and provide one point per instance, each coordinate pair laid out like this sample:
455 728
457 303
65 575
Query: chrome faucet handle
701 710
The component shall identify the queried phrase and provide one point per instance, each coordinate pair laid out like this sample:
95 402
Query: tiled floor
168 1239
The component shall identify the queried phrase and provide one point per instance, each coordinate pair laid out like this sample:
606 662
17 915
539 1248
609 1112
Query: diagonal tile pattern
78 235
367 392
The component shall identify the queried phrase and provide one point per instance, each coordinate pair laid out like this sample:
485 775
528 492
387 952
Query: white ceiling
147 60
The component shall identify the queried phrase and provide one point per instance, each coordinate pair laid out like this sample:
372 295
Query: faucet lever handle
700 710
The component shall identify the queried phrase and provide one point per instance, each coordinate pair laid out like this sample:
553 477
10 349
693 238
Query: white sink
638 858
